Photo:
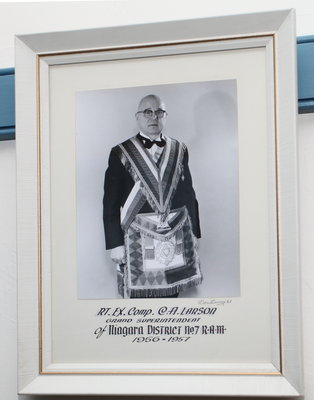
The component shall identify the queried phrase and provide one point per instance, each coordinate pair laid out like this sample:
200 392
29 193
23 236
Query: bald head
151 126
149 101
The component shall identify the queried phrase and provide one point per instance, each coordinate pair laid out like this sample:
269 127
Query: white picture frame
50 64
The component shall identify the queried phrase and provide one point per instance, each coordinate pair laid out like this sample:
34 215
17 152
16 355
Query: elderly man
150 210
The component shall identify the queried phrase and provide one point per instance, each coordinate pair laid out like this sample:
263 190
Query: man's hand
196 243
118 255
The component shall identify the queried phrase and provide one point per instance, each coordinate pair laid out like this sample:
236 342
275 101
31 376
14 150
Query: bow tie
147 143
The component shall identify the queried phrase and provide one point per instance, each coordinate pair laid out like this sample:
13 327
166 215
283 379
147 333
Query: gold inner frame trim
154 45
162 373
271 35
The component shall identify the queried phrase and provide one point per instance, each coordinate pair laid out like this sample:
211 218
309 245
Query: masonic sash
157 184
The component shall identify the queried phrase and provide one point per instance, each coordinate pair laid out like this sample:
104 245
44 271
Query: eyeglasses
148 113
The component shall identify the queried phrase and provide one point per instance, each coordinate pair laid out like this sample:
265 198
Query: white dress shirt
155 151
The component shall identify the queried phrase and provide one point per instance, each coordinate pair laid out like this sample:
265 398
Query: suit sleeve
112 202
191 203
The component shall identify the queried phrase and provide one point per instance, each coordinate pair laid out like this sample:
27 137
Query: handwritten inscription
161 324
134 311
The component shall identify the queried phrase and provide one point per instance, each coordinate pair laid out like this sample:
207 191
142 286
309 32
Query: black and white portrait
158 191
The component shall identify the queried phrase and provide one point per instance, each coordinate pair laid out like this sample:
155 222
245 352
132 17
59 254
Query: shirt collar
161 136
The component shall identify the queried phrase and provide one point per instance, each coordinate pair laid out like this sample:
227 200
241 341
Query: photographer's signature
215 302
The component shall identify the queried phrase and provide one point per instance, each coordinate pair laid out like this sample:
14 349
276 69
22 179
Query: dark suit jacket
118 185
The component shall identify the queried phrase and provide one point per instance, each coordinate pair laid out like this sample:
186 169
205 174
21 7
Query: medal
163 225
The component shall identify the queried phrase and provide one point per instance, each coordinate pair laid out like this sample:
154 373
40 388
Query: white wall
35 17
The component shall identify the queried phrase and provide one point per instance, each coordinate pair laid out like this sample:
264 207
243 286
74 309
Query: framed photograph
157 209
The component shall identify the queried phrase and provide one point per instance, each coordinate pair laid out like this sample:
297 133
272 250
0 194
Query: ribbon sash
157 183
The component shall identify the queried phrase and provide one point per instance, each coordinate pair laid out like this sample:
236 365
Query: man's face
151 126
